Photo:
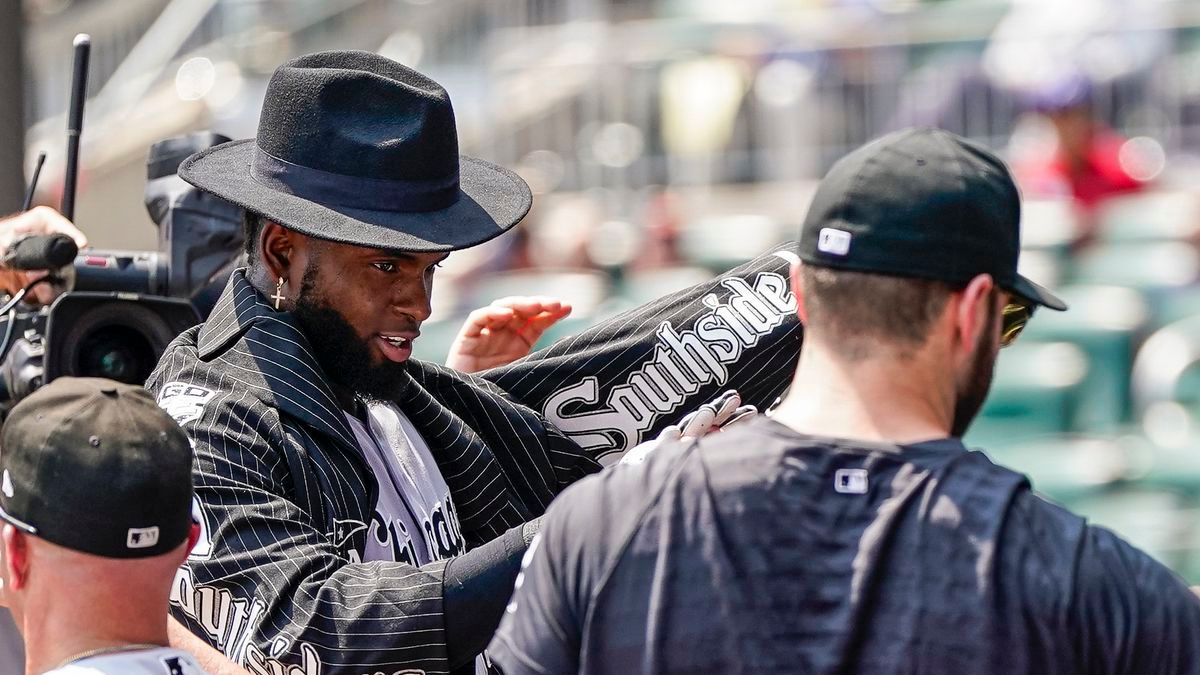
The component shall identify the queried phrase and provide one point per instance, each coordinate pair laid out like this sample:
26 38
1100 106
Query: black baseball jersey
761 550
285 496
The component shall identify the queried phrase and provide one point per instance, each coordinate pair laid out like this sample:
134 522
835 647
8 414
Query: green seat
1174 467
1151 216
1166 369
1176 304
638 288
584 289
1105 322
1066 467
1146 266
1048 225
1043 266
1035 392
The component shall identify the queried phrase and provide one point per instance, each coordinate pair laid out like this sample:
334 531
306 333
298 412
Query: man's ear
193 537
973 310
278 247
798 291
16 557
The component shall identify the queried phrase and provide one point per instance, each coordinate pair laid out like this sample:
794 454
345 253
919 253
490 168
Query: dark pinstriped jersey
286 497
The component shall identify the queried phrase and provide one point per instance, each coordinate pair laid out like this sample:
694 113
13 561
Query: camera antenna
37 171
83 47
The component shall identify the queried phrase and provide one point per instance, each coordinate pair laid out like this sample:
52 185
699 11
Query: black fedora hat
355 148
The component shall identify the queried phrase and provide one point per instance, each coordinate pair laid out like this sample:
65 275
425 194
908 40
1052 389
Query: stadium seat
1152 216
586 290
1152 266
1047 224
1105 322
1165 369
1067 467
639 288
1035 392
1159 522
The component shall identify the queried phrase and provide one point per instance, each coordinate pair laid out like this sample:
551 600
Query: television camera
122 308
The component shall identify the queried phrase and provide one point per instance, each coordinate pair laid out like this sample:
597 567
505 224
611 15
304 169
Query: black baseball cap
921 203
97 467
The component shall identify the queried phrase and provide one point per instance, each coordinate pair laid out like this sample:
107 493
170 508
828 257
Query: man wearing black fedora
363 511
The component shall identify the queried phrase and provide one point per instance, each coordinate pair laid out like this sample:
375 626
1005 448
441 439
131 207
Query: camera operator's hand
503 332
40 220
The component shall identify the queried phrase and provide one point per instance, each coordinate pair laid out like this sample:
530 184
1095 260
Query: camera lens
111 336
119 353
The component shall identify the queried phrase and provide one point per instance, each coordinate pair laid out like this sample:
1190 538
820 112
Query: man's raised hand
503 332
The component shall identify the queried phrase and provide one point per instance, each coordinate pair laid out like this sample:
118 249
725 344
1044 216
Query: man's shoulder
631 484
605 508
739 458
181 360
209 393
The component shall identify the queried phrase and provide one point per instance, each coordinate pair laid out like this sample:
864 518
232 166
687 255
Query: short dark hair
857 311
252 226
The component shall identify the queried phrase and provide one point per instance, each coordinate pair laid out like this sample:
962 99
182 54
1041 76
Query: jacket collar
296 384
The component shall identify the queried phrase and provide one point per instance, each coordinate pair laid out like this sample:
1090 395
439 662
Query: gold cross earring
278 297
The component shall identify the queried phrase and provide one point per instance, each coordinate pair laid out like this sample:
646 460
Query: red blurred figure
1087 163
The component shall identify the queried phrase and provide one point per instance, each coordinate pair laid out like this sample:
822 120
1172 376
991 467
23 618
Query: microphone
41 253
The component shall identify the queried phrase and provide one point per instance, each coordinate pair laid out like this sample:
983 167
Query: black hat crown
356 148
360 116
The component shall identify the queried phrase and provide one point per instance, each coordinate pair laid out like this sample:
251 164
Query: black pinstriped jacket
285 496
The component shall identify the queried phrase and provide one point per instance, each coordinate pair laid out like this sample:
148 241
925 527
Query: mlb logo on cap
142 537
834 241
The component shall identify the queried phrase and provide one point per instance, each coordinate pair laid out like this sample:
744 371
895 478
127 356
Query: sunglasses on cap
1013 320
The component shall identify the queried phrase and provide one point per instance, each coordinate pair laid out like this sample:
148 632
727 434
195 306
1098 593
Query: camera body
126 306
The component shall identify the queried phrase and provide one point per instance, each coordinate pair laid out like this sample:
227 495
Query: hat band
334 189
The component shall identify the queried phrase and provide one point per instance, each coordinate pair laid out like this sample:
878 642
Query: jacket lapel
294 382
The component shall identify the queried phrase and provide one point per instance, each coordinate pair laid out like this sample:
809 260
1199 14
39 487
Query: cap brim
492 200
1036 294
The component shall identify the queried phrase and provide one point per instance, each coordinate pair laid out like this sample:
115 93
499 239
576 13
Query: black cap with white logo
96 466
921 203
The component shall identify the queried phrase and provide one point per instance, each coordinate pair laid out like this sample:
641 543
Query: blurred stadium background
667 140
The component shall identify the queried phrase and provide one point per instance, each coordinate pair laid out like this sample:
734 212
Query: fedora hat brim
491 201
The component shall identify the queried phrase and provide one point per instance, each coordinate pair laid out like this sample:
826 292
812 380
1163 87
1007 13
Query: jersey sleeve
1132 614
622 381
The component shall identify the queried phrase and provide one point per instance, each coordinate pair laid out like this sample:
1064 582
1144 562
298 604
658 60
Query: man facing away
853 532
95 502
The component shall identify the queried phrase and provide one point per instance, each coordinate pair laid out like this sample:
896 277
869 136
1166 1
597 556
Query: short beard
978 380
343 355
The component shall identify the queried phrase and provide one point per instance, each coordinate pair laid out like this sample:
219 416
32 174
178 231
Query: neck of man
73 622
885 398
